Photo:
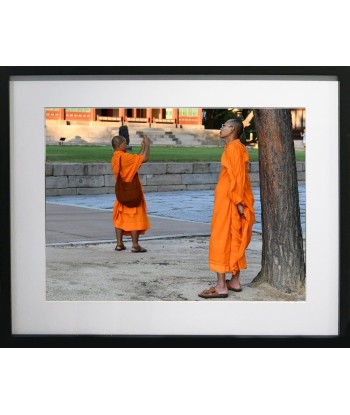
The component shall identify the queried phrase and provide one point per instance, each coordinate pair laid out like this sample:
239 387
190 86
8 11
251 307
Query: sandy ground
173 269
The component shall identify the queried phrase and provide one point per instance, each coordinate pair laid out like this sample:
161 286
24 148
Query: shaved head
237 125
117 140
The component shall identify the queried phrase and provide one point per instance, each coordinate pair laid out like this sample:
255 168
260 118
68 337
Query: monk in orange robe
233 214
129 220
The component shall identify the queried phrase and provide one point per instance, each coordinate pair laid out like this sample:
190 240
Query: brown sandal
137 250
211 293
120 248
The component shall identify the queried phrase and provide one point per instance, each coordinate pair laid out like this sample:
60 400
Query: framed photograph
29 317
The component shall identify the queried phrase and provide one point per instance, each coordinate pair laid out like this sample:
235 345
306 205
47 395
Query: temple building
96 116
97 125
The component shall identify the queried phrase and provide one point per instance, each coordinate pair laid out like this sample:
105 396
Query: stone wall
68 179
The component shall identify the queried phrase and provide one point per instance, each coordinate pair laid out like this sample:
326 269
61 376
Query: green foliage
214 118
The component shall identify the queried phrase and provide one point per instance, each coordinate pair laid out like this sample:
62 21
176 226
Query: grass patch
103 154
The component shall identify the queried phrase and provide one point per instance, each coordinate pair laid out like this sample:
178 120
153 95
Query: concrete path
67 224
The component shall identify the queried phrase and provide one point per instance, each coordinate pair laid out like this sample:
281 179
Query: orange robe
230 234
126 218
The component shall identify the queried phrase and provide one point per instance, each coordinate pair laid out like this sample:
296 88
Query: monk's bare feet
221 289
234 284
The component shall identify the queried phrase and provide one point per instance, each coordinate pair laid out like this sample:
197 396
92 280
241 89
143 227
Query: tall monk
129 221
233 214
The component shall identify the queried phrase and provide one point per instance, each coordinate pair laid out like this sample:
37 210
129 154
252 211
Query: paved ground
190 205
82 264
71 224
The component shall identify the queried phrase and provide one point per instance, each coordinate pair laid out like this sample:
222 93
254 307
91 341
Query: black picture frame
10 340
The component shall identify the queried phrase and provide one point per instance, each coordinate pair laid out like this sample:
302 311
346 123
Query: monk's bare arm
145 148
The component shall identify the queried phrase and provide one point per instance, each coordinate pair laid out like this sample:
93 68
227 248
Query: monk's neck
231 140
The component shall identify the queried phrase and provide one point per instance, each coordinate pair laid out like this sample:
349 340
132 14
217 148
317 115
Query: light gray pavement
77 225
187 205
82 264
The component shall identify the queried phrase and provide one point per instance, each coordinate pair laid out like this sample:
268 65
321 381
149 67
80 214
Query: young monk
129 221
233 214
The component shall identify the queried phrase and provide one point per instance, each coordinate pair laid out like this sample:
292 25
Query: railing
164 120
102 118
132 119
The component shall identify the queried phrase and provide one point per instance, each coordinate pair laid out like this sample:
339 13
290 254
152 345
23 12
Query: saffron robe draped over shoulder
230 234
126 218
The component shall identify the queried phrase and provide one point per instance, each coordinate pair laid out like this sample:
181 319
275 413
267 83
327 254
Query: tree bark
283 264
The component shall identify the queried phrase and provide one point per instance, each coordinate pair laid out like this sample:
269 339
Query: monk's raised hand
146 140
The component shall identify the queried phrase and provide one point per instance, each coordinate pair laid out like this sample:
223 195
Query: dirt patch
172 270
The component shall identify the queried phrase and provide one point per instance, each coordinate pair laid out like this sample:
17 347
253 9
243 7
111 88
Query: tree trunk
283 264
